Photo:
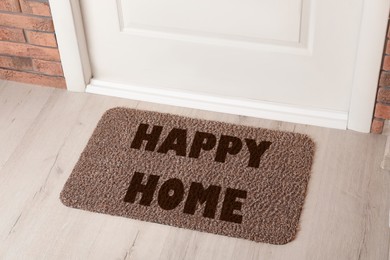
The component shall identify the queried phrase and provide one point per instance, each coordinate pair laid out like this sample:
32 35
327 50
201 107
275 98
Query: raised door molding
175 19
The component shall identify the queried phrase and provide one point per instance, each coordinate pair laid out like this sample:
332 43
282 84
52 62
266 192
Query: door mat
203 175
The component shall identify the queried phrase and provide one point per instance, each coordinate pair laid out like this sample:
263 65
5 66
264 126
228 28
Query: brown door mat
203 175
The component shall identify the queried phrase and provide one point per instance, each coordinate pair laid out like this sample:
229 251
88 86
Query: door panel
232 19
296 52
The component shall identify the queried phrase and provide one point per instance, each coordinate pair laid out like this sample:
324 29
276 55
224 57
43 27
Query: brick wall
28 46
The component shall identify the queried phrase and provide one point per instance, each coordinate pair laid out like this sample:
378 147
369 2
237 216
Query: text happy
176 140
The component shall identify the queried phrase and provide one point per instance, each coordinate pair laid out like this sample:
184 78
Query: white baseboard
260 109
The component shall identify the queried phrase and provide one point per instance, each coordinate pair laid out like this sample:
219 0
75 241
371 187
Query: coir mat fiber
209 176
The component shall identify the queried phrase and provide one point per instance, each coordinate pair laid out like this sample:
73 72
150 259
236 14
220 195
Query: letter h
147 189
151 138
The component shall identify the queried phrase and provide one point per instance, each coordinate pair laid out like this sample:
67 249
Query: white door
292 60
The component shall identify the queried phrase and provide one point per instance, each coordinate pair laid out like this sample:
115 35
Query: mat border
302 209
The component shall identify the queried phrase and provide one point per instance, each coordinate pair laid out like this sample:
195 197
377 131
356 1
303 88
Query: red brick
383 95
10 5
377 126
26 50
382 111
32 78
387 47
27 22
17 63
41 38
11 34
386 63
384 79
388 32
35 7
48 67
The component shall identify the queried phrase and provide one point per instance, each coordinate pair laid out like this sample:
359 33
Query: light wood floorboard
43 131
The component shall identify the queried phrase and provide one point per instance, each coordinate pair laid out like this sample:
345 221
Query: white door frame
73 49
72 45
368 64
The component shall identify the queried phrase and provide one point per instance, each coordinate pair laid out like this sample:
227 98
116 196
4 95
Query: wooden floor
44 130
